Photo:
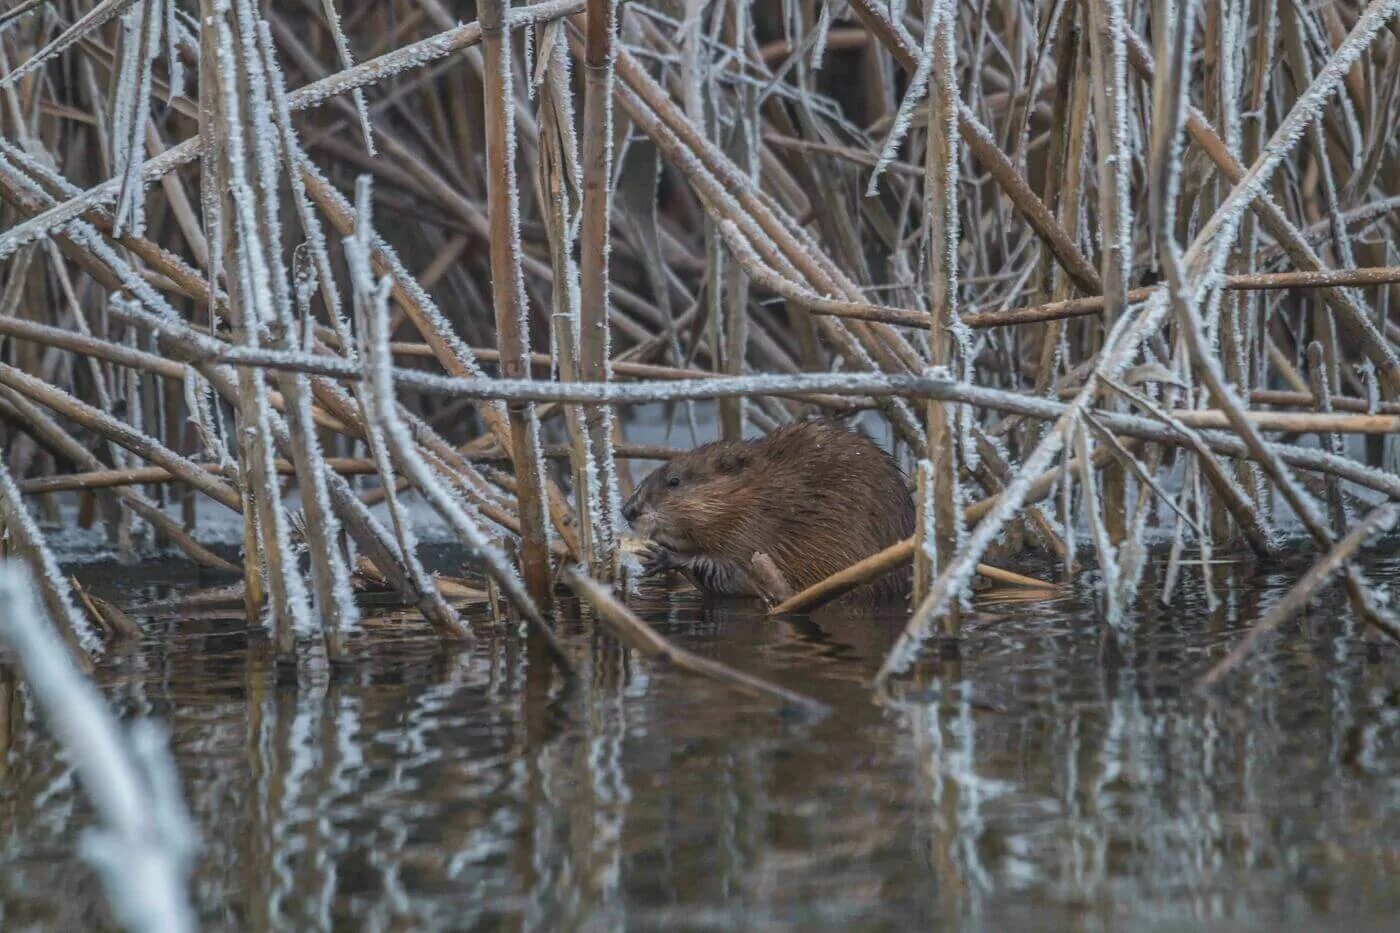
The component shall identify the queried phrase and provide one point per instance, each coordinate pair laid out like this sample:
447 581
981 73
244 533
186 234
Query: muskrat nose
629 512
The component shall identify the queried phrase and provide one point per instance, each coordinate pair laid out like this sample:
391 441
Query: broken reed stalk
1337 560
640 637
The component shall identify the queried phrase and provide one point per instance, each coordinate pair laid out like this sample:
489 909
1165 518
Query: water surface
1038 774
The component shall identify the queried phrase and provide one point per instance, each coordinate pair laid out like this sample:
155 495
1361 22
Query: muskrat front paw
657 559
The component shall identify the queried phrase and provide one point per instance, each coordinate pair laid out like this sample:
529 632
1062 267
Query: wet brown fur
813 496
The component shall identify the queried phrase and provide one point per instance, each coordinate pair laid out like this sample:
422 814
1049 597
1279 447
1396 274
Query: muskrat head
689 504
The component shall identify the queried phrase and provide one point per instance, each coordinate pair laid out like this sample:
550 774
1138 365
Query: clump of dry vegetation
1092 265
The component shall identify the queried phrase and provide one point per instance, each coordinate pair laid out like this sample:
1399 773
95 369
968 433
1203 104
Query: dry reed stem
595 222
936 534
50 434
512 334
1335 561
22 537
1322 395
640 637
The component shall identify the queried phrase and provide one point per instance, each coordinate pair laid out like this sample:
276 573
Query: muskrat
813 496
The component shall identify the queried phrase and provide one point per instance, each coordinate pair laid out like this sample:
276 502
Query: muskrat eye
673 482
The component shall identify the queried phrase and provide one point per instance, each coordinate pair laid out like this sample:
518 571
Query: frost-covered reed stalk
295 332
22 536
512 311
561 181
342 48
1109 78
257 296
940 524
145 846
132 105
388 430
1120 346
595 345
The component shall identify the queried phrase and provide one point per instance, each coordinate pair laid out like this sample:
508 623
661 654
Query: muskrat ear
732 461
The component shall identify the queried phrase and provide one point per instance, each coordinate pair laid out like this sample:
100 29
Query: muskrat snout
633 506
640 513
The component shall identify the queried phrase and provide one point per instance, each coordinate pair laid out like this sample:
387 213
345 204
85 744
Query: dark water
1040 777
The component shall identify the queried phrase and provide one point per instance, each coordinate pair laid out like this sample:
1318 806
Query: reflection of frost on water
1096 794
1140 804
945 736
576 797
607 726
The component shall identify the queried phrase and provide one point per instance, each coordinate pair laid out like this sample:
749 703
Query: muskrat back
813 496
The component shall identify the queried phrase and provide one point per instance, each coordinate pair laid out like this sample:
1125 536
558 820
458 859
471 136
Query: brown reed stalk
594 345
1073 103
936 534
640 637
1334 561
559 181
1331 442
511 322
1107 51
49 433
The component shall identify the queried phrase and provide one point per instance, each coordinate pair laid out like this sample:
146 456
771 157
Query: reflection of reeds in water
1039 775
